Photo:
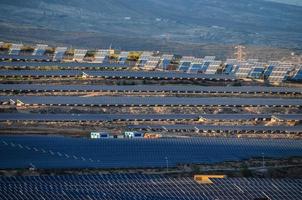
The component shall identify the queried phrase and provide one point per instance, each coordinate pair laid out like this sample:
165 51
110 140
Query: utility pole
167 164
263 161
240 52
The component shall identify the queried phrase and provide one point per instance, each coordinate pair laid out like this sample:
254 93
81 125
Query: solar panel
243 70
151 89
15 49
59 53
279 73
150 75
120 186
213 67
230 66
102 55
40 50
269 69
123 57
50 151
274 63
167 56
257 70
149 117
145 186
165 61
185 63
298 75
152 63
220 129
231 61
197 65
144 58
134 101
79 54
146 54
56 65
252 61
209 58
19 58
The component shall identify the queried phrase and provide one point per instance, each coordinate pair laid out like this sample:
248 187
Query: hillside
127 23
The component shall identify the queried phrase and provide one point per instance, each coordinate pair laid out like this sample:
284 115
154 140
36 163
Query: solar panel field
112 115
62 152
140 186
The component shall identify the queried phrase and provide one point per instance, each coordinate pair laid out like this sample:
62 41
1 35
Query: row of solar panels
64 152
63 65
273 71
150 89
109 101
148 117
143 75
39 54
145 187
218 128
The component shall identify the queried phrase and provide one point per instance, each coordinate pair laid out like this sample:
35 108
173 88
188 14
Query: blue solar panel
153 101
165 63
199 67
122 60
268 71
184 66
145 187
40 52
256 72
195 68
63 152
298 76
228 69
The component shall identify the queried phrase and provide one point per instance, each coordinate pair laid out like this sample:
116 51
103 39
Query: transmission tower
240 52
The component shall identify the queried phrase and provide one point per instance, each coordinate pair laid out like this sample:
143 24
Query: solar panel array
269 69
64 152
20 58
257 70
59 53
229 66
219 129
151 89
165 61
79 54
152 63
60 65
108 101
146 187
298 75
15 49
279 73
185 63
197 65
40 49
123 56
213 67
102 55
243 70
142 75
209 58
145 57
148 117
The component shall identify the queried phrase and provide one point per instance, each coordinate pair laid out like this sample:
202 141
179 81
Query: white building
133 134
